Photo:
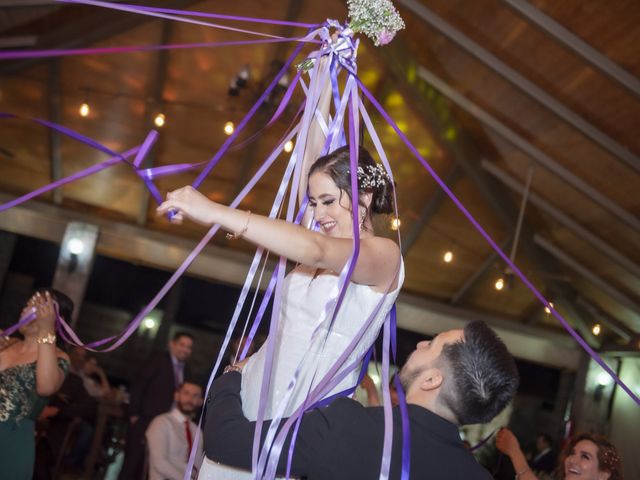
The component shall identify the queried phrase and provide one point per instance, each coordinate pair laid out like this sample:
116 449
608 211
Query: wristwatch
232 368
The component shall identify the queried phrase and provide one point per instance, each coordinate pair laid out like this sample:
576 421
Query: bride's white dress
303 302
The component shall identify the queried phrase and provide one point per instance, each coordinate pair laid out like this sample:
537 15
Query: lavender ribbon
192 13
137 9
73 52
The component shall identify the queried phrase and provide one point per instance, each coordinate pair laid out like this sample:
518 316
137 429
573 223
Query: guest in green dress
31 370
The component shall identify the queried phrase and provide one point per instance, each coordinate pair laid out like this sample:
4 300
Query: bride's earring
362 217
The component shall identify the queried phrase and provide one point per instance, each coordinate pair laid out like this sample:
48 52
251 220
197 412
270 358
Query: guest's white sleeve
157 435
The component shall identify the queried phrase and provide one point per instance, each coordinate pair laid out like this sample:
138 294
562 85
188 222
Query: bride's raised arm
316 137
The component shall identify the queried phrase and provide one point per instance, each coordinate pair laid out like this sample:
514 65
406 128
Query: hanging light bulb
395 223
288 147
448 256
229 128
596 329
547 310
84 109
499 284
149 323
159 120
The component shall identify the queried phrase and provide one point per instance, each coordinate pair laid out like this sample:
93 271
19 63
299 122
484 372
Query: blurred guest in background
170 435
152 393
587 456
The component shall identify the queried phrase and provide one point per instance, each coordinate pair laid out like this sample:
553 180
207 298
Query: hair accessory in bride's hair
371 176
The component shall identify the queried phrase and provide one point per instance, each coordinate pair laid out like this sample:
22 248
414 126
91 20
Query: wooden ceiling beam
85 30
531 150
591 277
618 327
479 273
55 116
564 219
429 210
152 108
577 45
589 130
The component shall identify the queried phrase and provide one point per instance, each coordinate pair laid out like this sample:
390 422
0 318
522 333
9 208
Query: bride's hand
187 202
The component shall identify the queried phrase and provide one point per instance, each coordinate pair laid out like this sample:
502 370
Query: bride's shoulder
382 246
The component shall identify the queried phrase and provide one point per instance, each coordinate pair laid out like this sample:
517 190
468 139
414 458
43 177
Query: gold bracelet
236 235
519 474
48 339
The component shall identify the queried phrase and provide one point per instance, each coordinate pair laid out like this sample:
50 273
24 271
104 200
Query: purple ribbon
72 52
484 441
152 13
192 13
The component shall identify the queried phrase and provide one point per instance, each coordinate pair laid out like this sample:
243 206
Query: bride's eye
328 202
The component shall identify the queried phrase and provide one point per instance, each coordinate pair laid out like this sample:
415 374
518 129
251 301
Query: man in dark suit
545 460
152 393
459 377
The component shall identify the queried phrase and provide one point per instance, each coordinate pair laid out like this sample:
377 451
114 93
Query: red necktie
187 432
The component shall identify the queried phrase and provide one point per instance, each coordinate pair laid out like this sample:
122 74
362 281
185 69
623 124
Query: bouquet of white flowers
377 19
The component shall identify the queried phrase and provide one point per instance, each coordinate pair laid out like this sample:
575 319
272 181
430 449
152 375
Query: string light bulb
84 109
229 128
159 120
448 256
395 223
149 323
288 147
596 329
547 310
499 285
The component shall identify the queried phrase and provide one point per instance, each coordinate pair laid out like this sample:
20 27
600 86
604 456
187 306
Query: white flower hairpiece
371 176
377 19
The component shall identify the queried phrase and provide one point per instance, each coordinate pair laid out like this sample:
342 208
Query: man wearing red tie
152 393
170 436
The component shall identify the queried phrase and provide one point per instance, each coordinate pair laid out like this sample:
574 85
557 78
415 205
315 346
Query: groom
460 377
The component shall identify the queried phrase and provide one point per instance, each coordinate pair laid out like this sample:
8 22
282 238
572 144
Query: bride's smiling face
331 206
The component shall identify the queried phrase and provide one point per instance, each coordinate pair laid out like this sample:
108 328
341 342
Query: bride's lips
328 226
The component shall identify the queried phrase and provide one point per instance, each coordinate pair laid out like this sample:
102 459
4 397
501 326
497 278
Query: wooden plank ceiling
125 92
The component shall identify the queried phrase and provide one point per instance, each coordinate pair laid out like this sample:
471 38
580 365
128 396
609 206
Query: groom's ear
431 379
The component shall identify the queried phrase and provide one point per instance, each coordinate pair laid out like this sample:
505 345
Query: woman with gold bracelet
31 370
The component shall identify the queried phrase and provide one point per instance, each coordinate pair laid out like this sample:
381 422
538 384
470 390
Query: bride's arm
315 136
377 263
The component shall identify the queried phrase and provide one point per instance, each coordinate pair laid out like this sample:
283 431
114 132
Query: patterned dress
20 406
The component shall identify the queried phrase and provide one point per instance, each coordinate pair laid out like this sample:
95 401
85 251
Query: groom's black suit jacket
341 441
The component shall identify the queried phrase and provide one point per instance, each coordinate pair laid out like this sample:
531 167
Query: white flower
377 19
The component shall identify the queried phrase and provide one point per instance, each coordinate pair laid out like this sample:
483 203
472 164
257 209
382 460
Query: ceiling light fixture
288 147
84 109
159 120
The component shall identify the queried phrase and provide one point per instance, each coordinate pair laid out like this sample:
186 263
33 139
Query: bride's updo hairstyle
372 178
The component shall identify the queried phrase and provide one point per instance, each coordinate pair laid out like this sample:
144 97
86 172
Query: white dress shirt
168 446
